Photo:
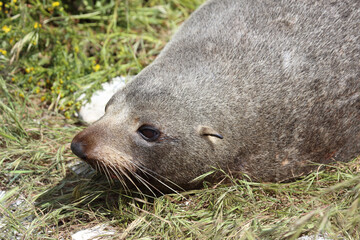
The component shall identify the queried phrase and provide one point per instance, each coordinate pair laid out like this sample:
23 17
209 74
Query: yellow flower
43 98
37 25
11 40
3 52
67 115
27 70
6 29
96 67
37 90
1 3
76 49
55 4
21 95
14 1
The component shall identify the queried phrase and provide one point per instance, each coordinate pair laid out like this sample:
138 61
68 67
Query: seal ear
208 131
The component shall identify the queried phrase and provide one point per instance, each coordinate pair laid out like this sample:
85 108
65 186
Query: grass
76 48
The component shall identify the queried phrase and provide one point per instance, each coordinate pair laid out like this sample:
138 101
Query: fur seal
261 87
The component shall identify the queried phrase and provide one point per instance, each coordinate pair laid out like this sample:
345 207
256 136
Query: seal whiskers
152 174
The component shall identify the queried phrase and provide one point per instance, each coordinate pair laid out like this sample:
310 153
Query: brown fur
278 80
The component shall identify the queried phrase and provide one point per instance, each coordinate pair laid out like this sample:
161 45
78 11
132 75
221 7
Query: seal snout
77 149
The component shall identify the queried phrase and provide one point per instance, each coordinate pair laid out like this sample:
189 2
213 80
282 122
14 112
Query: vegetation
51 52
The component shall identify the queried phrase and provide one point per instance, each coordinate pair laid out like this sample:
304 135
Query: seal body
263 87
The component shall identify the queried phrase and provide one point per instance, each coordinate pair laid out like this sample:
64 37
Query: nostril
78 150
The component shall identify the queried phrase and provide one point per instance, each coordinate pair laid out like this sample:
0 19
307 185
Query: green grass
45 199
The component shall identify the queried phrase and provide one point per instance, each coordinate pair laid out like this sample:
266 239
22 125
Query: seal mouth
129 177
133 176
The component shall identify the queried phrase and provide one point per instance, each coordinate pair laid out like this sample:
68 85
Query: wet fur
279 80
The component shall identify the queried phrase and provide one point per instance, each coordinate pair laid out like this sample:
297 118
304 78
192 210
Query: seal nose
77 149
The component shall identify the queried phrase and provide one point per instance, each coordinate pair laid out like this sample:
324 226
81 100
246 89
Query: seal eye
149 133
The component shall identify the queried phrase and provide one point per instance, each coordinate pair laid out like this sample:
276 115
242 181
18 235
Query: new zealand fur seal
263 87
